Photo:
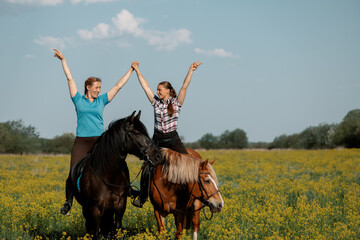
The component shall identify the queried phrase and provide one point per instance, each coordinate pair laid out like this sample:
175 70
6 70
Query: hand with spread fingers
195 65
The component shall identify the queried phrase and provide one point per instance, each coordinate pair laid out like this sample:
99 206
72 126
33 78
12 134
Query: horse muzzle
215 207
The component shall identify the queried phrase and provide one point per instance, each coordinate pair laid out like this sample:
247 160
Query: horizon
269 68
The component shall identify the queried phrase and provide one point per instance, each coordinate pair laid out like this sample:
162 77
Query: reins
208 196
202 196
115 185
202 187
174 209
142 151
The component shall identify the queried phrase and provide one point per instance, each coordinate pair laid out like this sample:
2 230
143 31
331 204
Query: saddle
76 172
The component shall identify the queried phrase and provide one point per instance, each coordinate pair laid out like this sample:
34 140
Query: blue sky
269 67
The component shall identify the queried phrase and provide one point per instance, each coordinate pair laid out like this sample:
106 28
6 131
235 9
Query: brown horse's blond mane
181 168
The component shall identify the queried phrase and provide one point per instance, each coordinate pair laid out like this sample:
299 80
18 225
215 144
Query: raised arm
114 90
182 92
143 82
71 82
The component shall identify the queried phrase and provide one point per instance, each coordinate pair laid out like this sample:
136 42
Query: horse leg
92 217
107 223
180 224
160 220
196 219
119 213
189 217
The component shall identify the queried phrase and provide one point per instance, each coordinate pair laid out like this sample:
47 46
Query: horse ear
205 162
212 162
138 115
132 116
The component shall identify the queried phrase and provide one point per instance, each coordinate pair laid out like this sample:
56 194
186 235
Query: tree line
324 136
17 138
345 134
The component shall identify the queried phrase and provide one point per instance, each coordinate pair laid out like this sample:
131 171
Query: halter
143 151
205 203
201 186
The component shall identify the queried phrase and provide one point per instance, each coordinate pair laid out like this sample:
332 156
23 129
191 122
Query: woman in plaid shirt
166 112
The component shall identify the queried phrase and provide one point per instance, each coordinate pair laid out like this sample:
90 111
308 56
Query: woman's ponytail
170 107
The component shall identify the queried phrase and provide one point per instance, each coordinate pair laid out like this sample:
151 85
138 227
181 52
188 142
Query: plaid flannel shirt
163 122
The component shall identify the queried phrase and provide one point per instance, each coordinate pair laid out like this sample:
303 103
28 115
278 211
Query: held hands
195 65
135 65
58 54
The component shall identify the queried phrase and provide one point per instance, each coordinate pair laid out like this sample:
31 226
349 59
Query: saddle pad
78 182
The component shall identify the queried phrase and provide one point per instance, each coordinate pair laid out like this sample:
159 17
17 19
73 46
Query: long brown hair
90 81
167 85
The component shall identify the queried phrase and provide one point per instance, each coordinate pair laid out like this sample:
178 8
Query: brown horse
178 186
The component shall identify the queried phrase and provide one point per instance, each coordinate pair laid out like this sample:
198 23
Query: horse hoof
65 210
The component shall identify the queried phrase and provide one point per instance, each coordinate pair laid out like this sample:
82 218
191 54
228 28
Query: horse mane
110 148
182 168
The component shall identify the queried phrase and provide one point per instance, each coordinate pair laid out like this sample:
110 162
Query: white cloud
56 2
52 42
37 2
91 1
168 40
126 24
123 44
29 56
218 52
100 31
122 27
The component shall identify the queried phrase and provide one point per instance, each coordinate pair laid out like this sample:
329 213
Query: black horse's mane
111 148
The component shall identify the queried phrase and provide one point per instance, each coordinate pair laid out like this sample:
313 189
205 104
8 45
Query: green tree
59 144
18 138
285 141
193 145
234 139
348 131
4 137
209 141
317 137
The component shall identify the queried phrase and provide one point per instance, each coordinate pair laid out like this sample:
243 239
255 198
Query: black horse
101 180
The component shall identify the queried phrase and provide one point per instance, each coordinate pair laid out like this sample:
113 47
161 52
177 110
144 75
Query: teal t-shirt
89 115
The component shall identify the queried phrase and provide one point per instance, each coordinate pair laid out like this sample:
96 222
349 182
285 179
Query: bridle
201 198
142 150
202 189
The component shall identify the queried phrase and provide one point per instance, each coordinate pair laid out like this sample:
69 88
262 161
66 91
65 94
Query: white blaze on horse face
213 181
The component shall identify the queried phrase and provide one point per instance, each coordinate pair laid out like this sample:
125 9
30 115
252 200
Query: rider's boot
144 188
69 199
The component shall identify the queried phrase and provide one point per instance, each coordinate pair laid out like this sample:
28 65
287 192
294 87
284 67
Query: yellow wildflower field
288 194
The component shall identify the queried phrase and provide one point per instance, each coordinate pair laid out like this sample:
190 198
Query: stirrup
134 193
137 203
65 210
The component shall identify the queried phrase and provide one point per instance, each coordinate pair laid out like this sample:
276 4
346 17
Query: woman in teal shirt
89 110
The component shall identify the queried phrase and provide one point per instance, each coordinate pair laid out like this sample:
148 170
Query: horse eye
207 181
